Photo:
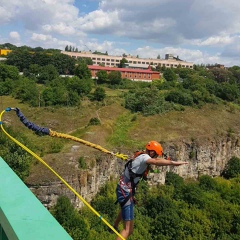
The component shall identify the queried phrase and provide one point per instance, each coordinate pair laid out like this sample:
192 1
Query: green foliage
23 58
46 74
232 168
180 96
27 91
207 183
122 62
69 218
81 86
99 94
148 101
119 136
8 72
170 75
94 121
202 210
102 76
82 163
82 70
17 158
55 146
115 77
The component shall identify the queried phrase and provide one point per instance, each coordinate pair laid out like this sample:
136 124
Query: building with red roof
146 75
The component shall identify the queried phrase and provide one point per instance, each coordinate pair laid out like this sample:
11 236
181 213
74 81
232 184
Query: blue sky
202 32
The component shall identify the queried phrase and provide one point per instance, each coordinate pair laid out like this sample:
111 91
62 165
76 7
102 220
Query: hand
178 163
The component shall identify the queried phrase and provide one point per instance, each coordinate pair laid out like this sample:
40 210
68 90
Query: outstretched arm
164 162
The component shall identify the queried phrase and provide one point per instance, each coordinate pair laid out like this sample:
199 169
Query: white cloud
14 36
47 41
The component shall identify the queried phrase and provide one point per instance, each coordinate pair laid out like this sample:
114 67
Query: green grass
119 138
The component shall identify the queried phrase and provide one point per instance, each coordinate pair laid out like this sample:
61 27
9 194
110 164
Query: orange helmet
155 146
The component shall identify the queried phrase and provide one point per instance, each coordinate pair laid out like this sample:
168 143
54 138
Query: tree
17 158
69 218
27 91
8 72
80 86
99 94
122 62
180 96
47 74
221 75
148 101
169 75
232 168
102 76
82 71
115 77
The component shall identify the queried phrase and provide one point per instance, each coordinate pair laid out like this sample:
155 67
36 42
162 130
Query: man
134 170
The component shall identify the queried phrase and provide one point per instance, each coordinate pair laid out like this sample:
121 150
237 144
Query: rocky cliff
205 156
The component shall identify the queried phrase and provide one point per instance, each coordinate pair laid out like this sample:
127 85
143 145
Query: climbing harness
133 175
46 131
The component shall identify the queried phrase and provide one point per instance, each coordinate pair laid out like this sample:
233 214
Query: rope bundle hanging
46 131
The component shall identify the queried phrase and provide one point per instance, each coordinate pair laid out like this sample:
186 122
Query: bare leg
127 231
118 219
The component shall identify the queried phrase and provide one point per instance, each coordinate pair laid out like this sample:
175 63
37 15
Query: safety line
57 175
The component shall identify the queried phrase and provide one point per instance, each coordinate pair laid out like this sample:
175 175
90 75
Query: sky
198 31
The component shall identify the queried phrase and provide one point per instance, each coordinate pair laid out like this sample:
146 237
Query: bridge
22 215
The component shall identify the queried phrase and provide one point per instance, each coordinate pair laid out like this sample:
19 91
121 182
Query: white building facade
114 61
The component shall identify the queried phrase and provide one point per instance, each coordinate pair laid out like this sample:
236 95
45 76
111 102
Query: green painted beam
22 215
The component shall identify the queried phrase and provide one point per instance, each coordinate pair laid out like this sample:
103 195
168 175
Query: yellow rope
59 177
98 147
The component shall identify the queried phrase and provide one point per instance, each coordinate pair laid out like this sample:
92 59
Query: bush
82 163
232 168
94 121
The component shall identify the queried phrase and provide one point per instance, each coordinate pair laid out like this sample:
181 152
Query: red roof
95 67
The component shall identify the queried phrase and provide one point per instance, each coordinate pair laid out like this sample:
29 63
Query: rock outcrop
205 156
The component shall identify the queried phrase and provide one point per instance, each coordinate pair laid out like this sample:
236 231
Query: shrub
232 168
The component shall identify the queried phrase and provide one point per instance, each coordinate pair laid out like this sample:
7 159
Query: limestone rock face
205 157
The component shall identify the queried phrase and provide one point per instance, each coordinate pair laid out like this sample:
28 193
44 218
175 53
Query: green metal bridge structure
22 215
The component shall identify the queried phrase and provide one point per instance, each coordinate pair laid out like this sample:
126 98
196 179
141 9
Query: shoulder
143 157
